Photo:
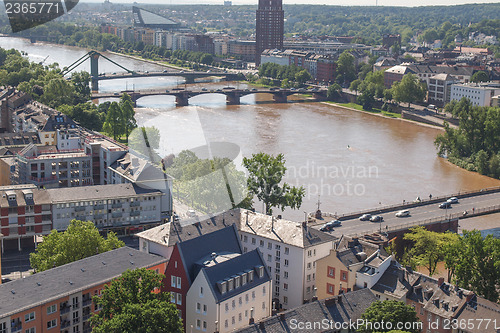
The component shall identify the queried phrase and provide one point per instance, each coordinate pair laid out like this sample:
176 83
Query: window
29 330
269 246
225 324
285 275
285 286
204 325
309 265
263 305
253 241
233 304
173 281
261 243
343 276
269 257
309 253
51 309
245 239
330 289
239 317
233 321
172 297
285 300
308 277
179 282
201 291
29 317
331 272
198 324
227 307
263 290
287 250
179 299
52 323
286 262
253 294
198 307
204 309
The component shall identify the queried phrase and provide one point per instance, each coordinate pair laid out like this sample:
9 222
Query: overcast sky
408 3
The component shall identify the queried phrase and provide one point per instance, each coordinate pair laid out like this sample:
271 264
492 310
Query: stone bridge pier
279 97
233 98
182 99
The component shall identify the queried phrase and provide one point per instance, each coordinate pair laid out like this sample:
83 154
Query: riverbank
383 116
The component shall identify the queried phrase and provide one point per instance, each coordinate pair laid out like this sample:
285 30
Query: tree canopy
389 311
409 89
80 240
133 303
265 173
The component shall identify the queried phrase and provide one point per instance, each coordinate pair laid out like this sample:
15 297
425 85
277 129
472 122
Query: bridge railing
406 205
434 220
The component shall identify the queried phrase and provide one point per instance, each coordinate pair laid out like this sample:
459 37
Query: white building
439 88
107 206
480 94
373 269
290 250
229 292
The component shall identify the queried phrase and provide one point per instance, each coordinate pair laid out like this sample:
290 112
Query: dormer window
237 282
230 283
244 279
222 287
260 271
250 276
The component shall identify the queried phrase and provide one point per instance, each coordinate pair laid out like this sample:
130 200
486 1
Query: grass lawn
374 110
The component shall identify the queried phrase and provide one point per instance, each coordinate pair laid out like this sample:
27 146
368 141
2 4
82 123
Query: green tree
427 247
132 303
81 82
408 90
127 114
479 76
114 121
80 240
355 85
302 77
476 263
346 68
265 173
334 92
388 311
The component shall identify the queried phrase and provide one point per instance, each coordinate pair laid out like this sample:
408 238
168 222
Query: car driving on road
365 217
376 218
445 204
403 213
452 200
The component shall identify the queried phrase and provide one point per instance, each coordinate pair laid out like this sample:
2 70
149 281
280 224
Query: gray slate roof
480 308
395 281
338 309
96 192
285 231
193 250
55 283
228 268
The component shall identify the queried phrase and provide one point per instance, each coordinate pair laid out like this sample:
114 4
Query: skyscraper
269 27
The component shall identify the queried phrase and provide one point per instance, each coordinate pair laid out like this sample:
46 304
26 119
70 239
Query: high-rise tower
269 27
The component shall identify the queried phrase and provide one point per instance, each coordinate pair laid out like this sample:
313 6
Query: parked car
452 200
365 217
403 213
376 218
204 89
445 205
191 213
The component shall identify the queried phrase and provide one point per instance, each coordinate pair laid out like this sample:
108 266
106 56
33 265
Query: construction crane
41 62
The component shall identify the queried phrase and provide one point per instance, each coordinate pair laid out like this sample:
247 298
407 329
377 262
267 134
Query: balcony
98 216
116 205
79 209
65 309
87 317
135 213
17 328
135 204
116 214
87 302
43 180
65 324
101 206
76 321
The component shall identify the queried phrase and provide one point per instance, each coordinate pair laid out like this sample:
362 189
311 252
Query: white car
453 200
403 213
191 213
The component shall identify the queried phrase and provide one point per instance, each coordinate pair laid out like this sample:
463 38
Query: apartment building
338 271
49 167
184 264
479 94
230 291
25 212
60 299
439 89
118 207
290 249
132 168
245 49
54 124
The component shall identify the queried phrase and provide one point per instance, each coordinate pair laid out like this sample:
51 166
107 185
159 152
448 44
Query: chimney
330 301
135 162
440 281
282 316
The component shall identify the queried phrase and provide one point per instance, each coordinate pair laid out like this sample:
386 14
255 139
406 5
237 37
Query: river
351 160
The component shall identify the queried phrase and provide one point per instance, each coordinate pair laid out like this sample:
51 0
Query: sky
405 3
